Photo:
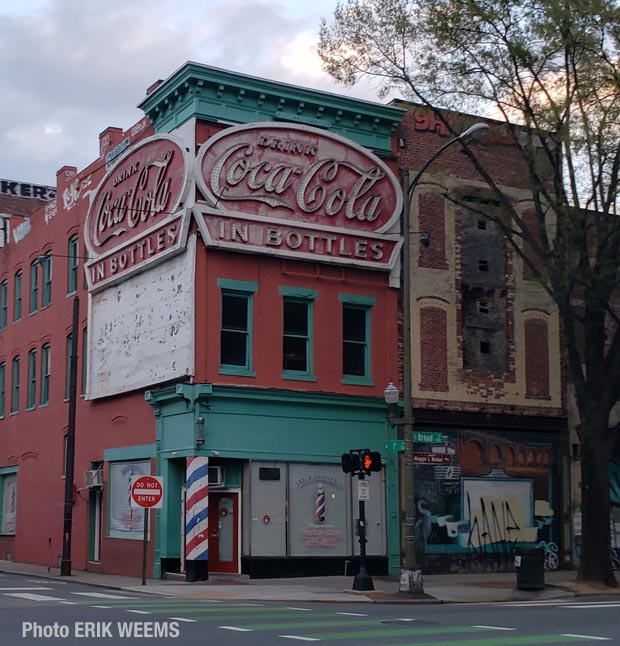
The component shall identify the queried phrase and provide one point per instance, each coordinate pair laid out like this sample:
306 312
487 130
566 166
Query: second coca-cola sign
137 194
298 173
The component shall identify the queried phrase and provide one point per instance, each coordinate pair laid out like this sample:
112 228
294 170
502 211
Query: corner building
235 256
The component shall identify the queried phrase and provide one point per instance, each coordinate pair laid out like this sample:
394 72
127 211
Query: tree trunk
595 565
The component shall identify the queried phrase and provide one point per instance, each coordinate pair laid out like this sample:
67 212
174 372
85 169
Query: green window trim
73 264
356 339
236 327
32 380
69 352
297 334
17 303
357 299
44 395
4 305
6 472
2 388
47 279
15 385
34 286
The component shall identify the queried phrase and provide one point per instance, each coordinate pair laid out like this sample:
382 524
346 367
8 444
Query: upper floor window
2 388
72 276
4 294
45 374
32 379
17 309
297 338
236 326
46 262
356 353
15 386
69 347
34 286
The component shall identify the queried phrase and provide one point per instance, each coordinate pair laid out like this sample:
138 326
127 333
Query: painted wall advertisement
491 492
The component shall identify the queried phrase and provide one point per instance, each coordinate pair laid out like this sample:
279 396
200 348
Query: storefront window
124 521
8 486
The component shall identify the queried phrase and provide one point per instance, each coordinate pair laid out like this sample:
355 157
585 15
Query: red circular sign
146 491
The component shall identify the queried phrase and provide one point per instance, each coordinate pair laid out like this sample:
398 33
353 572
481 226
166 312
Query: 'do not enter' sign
147 492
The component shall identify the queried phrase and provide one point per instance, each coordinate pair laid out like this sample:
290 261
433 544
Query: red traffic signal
370 461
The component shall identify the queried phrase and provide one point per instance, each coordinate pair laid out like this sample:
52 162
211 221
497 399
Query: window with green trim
46 261
17 309
355 341
32 379
69 348
8 500
235 342
34 286
45 374
72 276
15 386
297 336
2 388
4 305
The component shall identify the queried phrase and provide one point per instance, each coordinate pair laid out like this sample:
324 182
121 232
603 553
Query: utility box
530 567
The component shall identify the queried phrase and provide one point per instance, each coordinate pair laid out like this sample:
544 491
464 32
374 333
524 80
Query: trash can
530 567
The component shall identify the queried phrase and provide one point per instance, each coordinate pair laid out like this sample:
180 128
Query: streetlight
410 574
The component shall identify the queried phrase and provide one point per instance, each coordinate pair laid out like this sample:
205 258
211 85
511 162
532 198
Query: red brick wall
434 351
432 220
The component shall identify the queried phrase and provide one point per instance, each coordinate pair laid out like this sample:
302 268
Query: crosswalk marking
102 595
139 612
32 597
20 588
303 639
494 627
607 639
183 619
237 629
594 605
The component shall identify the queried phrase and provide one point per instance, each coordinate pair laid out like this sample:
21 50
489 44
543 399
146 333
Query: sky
71 68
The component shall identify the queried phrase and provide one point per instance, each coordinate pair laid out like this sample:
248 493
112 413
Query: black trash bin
530 566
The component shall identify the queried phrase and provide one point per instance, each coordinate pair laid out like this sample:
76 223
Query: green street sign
428 437
395 445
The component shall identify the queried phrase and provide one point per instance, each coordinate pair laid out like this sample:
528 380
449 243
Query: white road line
354 614
239 630
303 639
604 639
33 597
549 602
46 581
105 607
257 605
21 588
102 595
293 608
184 619
68 603
494 627
594 605
139 612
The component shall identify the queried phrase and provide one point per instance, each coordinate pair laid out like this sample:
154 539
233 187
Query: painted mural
479 495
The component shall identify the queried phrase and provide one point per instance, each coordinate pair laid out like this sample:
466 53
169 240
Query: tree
550 70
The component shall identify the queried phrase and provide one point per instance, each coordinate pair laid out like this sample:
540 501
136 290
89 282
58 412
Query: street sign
363 490
395 445
431 458
428 437
147 492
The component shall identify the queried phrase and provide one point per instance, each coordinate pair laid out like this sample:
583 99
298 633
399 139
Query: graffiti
494 496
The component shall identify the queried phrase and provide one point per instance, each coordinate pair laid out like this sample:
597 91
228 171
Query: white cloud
71 68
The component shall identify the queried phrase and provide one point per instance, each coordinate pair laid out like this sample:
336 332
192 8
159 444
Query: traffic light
370 461
350 462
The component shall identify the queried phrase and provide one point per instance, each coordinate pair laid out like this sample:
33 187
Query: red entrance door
223 532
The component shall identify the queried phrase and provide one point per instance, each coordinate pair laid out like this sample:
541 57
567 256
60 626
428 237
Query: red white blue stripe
197 509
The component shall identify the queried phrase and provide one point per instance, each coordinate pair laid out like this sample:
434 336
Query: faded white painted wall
141 332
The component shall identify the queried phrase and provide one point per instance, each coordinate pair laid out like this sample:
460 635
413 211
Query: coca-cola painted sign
298 173
136 198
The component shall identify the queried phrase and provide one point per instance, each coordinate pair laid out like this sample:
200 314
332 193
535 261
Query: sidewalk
438 588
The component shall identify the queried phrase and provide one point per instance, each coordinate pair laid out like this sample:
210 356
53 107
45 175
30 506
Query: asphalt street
33 611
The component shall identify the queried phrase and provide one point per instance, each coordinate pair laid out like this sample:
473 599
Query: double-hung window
32 379
297 333
236 327
356 310
2 388
72 276
15 386
4 294
17 309
46 262
34 285
69 353
45 375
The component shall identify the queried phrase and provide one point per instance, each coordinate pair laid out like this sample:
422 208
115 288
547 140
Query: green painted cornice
213 94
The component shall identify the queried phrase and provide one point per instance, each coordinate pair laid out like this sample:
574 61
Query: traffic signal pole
362 580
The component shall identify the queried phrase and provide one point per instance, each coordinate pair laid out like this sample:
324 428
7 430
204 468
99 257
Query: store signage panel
135 199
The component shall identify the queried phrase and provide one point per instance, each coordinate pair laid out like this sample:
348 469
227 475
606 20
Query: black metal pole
65 563
362 580
145 544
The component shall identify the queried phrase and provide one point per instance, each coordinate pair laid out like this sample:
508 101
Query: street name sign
428 437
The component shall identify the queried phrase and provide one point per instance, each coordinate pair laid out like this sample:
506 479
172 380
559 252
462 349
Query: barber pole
197 516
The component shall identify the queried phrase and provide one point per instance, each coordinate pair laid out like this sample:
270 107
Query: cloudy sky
71 68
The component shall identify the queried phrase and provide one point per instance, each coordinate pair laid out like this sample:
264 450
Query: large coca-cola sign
137 194
298 173
135 216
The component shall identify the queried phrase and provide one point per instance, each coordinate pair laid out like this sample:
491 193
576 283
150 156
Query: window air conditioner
216 476
93 478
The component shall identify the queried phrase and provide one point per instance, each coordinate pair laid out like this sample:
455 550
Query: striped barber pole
197 510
